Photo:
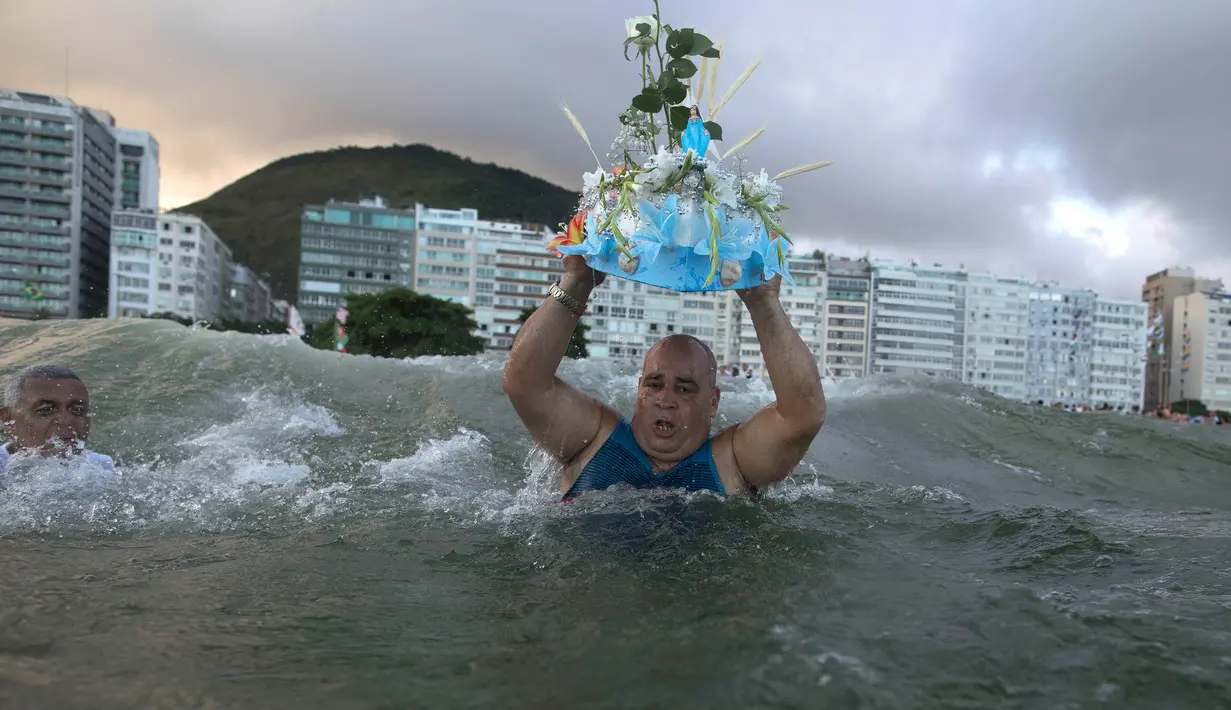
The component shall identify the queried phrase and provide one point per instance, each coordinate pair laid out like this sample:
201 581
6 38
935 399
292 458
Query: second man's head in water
46 409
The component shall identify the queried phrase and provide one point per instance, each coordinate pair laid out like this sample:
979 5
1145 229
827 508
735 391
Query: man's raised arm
773 442
558 416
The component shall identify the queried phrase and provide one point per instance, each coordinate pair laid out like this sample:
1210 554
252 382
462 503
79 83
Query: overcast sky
1084 141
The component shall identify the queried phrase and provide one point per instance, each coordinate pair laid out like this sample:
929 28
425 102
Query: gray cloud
1118 103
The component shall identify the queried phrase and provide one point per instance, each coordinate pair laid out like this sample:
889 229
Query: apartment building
1160 291
445 254
133 273
57 191
918 319
1201 347
804 304
247 297
362 247
848 317
496 268
138 174
996 324
1085 349
1118 365
1060 344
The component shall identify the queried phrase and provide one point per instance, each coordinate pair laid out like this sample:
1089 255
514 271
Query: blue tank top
621 460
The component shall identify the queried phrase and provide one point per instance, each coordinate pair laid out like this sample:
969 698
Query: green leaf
682 68
679 42
666 80
674 93
648 101
714 129
711 53
643 28
627 42
677 118
700 43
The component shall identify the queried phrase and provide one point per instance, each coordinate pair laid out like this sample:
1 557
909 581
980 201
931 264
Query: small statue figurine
695 137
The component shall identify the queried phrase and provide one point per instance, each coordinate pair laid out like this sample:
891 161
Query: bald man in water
667 444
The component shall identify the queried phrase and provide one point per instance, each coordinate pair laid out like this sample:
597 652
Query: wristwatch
577 307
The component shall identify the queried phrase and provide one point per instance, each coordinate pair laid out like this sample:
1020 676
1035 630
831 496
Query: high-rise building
1085 349
138 176
1060 344
848 317
1201 349
133 289
248 298
918 319
363 247
1118 366
804 304
174 263
1160 291
997 320
57 191
511 268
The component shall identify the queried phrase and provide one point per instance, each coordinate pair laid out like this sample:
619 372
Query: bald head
692 344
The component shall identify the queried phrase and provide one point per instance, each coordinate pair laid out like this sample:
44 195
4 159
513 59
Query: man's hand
766 291
580 273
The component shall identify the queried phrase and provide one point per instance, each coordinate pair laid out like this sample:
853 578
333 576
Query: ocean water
297 528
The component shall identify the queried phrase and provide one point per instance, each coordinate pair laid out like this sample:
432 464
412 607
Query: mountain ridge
258 215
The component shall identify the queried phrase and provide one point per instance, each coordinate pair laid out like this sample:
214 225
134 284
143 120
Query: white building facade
1201 350
183 269
848 316
1117 358
917 320
1086 349
133 288
995 333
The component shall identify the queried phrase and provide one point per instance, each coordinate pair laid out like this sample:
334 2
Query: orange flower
574 233
617 171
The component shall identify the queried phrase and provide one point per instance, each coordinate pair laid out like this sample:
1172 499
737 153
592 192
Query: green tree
400 323
578 343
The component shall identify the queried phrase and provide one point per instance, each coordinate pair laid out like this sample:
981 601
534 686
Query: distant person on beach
667 444
46 412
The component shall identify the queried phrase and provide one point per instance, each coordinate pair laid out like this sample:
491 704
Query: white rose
644 43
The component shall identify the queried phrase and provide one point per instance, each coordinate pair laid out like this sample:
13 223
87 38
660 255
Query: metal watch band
566 300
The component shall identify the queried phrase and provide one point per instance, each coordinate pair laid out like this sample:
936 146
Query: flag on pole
339 336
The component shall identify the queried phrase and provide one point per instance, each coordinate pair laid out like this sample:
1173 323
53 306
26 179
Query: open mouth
662 427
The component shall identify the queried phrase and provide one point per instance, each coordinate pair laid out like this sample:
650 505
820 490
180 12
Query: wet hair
16 385
709 353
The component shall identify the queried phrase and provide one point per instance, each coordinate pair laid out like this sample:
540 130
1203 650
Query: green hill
258 215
